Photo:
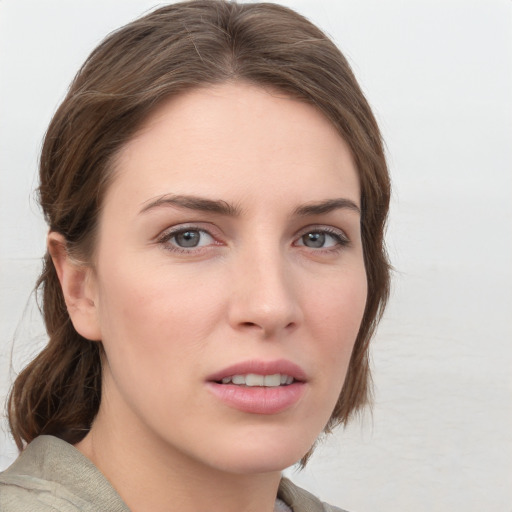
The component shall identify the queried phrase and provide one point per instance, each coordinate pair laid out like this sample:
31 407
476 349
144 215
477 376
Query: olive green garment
53 476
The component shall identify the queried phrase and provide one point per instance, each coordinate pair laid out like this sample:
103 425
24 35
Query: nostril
266 329
249 324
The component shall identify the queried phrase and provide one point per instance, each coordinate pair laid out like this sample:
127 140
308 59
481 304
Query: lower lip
256 399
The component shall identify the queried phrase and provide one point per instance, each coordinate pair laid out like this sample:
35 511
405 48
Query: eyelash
166 238
341 240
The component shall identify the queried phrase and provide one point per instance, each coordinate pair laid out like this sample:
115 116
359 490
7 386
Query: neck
150 475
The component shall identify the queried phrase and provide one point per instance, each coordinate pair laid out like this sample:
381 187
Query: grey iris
188 238
315 240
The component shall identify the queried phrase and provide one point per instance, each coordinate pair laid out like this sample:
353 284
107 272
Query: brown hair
173 49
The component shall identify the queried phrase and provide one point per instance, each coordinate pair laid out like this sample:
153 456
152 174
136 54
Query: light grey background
439 76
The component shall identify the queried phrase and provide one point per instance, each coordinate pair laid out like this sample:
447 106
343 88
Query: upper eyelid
173 232
191 226
323 227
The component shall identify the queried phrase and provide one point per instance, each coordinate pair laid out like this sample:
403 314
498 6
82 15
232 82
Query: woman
216 193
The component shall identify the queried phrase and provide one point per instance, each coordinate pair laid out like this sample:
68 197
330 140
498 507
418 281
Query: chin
251 465
264 455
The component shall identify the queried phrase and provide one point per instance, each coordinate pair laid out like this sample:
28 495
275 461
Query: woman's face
229 282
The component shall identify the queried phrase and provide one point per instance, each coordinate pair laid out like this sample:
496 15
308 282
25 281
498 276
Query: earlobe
78 287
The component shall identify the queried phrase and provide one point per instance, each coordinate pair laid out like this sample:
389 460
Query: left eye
321 240
191 238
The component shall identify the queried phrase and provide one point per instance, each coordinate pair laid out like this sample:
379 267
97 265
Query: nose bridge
265 298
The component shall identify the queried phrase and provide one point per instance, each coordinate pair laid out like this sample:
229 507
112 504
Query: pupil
314 239
187 239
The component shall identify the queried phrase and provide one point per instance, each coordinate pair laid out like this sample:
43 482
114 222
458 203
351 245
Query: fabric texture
53 476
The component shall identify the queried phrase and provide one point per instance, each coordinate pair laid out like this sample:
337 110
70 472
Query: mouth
269 374
253 379
259 387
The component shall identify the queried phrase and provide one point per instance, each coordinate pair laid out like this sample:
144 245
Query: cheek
149 340
150 320
339 308
135 297
334 317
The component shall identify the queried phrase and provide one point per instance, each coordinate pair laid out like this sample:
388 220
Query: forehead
234 140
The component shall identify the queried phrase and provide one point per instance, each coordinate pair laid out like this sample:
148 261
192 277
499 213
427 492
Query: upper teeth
252 379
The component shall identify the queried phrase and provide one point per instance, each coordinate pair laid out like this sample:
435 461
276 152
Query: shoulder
14 498
23 486
52 476
300 500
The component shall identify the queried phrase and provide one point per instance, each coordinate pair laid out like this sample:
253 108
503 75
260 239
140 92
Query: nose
265 298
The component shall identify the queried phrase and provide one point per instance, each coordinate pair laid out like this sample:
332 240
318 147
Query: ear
78 285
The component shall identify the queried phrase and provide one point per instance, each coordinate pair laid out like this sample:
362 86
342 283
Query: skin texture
255 288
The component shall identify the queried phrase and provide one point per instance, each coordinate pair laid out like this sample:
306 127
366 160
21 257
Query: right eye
186 239
192 238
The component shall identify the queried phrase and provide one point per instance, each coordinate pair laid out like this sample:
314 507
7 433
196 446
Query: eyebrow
329 205
224 208
193 203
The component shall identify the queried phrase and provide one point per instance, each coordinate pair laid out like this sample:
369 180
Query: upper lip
282 366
